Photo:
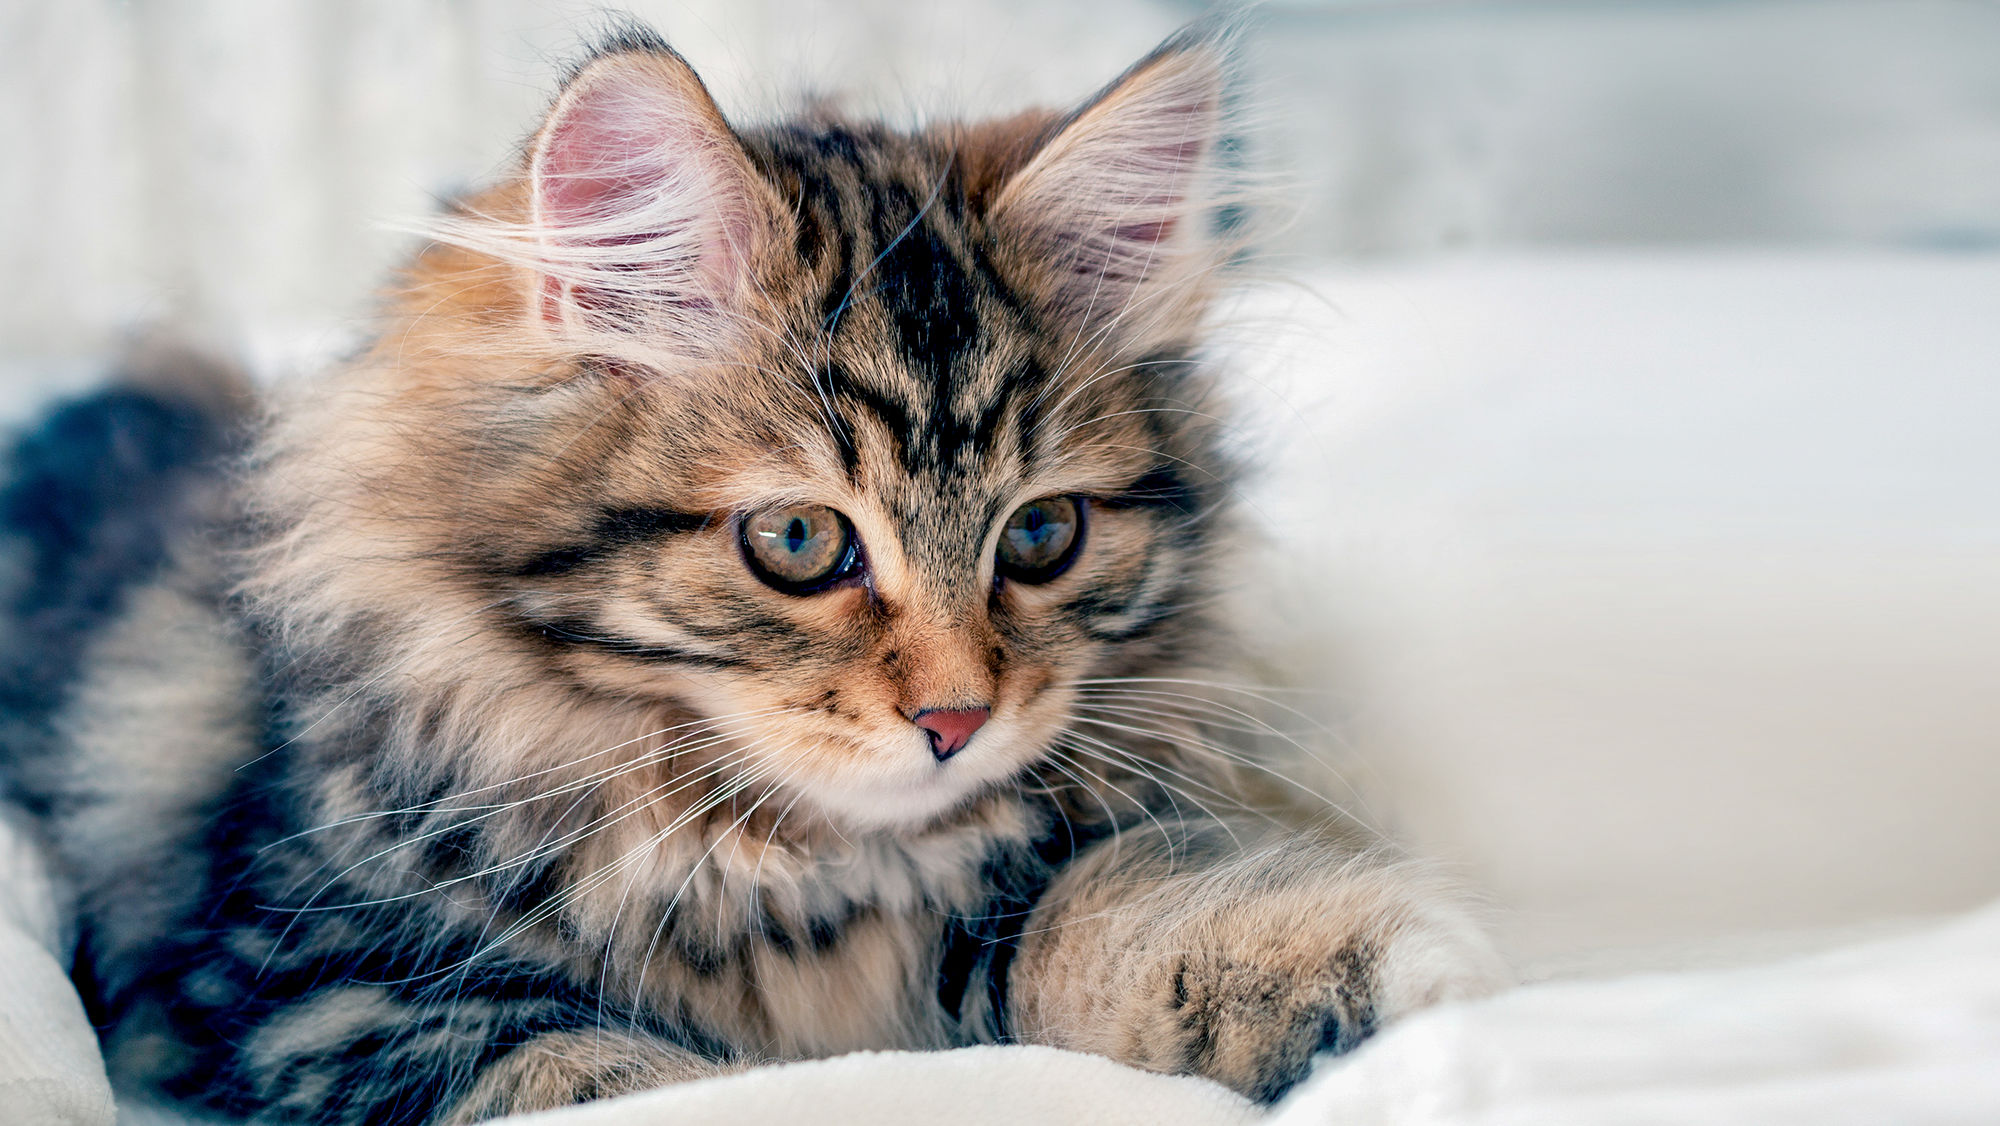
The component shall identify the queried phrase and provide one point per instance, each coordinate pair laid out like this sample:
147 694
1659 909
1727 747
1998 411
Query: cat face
830 581
865 446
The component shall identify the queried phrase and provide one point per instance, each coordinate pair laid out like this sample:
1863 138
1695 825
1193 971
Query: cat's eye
799 548
1040 539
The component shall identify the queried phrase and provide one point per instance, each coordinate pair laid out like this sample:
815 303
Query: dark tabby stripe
979 946
570 632
615 530
912 254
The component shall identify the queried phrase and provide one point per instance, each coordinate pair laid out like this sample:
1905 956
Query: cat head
860 448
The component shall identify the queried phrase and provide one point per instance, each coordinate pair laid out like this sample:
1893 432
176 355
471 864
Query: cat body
746 604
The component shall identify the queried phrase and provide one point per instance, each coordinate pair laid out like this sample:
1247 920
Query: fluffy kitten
741 607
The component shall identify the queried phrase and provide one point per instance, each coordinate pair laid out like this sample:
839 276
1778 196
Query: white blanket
50 1072
1904 1031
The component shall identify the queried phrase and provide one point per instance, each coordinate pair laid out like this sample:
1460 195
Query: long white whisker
603 821
437 804
1131 760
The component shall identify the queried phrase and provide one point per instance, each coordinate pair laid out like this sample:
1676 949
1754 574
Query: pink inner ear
587 170
638 204
1113 195
1169 164
1147 233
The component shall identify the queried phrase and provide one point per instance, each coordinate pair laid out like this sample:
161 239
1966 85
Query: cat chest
837 956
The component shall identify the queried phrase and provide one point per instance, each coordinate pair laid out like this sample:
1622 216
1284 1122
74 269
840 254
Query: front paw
1253 993
1256 1029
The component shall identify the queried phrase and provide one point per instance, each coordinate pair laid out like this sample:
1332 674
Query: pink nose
950 728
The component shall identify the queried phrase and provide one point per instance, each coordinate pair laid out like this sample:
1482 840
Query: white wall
1456 125
232 163
1658 592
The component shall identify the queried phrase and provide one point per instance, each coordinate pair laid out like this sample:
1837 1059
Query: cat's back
127 697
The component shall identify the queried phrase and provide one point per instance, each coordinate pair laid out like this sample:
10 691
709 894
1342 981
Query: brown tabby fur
559 801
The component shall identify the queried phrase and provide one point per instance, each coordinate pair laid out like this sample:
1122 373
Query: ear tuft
623 35
1117 205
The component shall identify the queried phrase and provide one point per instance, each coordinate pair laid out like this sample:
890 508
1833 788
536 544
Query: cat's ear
646 212
1116 208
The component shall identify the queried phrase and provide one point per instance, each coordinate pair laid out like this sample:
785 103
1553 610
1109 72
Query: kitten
741 607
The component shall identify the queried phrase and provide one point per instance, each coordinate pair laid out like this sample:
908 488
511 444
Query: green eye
799 548
1040 539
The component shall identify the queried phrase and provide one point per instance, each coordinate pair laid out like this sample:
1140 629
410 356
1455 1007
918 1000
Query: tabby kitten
741 607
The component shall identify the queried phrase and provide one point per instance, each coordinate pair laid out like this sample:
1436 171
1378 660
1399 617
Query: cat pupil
795 535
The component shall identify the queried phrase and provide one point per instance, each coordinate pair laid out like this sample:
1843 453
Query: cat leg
564 1068
344 1055
1175 950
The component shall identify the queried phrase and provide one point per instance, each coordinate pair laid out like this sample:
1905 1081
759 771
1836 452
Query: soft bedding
49 1067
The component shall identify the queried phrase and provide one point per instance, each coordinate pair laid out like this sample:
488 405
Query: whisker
1153 697
644 800
666 913
585 786
610 871
1110 818
604 821
1139 764
1142 807
1225 752
437 803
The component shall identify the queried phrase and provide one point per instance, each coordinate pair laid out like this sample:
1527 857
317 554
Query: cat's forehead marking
920 332
942 394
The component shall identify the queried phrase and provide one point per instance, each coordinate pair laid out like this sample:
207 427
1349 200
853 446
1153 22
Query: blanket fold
50 1071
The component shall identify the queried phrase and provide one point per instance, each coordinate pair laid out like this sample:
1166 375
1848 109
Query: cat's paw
1255 1029
1255 992
1200 957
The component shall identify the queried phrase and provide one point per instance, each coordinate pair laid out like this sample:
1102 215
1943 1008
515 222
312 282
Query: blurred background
1626 390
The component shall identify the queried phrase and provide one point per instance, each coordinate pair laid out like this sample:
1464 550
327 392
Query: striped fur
487 777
